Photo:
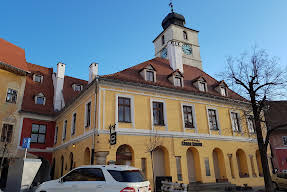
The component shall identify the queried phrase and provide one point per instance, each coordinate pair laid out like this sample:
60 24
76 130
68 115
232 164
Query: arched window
162 40
185 35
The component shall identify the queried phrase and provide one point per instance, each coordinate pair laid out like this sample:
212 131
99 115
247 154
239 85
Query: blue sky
119 34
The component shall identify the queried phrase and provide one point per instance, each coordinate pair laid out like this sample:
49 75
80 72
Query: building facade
169 116
165 116
275 116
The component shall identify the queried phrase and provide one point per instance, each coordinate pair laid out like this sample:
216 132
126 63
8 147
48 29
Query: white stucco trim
164 113
217 119
99 108
146 132
232 125
132 107
193 117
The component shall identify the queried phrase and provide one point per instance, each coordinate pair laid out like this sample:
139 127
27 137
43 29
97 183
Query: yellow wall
9 111
136 134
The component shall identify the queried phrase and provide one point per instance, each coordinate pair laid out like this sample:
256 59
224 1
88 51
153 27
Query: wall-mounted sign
113 134
191 142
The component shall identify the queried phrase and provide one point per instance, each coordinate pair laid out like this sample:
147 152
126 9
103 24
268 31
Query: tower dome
173 18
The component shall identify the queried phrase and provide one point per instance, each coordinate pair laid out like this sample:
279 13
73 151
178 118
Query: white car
99 178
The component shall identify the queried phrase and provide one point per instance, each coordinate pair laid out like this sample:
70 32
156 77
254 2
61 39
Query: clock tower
178 43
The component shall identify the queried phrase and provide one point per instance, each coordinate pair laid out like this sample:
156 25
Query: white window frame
217 119
85 119
7 94
284 138
72 123
56 134
40 95
164 113
201 82
181 80
75 85
64 127
223 91
131 107
193 117
250 129
232 124
41 78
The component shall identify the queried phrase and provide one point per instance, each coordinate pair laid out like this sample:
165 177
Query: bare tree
259 78
151 145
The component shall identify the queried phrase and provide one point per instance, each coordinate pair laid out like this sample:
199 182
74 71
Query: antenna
171 6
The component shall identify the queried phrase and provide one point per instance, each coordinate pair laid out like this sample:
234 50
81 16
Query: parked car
99 178
280 181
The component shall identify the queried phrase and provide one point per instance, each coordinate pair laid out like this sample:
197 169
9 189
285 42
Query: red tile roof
12 55
68 91
33 88
163 69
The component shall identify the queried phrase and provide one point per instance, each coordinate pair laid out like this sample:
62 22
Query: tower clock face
164 53
187 49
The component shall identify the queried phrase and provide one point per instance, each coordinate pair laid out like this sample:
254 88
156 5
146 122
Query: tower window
162 40
185 35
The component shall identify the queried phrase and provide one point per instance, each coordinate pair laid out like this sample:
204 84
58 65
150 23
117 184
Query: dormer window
222 88
223 91
162 40
148 73
38 78
177 81
185 35
77 87
176 78
40 99
201 84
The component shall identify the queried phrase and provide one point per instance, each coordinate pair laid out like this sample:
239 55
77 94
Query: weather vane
171 6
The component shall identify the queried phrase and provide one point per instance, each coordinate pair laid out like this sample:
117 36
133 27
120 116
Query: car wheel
275 186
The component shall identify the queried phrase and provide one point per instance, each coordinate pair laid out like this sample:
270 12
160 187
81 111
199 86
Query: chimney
61 70
175 55
93 71
58 80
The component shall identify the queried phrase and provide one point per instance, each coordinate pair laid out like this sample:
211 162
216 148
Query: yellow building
170 119
13 71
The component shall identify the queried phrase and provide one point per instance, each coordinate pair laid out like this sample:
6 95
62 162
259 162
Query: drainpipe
95 131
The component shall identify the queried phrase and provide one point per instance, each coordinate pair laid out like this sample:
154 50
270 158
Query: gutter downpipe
95 130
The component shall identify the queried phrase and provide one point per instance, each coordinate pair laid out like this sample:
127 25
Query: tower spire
171 6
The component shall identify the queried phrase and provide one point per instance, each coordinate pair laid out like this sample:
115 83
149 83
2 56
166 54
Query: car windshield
127 176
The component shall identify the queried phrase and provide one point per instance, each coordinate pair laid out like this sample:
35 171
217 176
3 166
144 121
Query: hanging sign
113 134
191 142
